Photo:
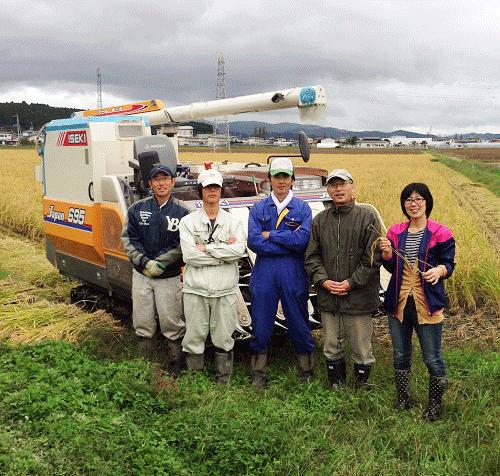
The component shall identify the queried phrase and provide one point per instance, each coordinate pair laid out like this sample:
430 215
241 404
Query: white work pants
162 297
216 315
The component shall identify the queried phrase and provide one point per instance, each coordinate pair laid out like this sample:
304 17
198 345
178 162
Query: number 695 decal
76 215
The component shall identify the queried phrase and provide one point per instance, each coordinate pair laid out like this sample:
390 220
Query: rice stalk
29 321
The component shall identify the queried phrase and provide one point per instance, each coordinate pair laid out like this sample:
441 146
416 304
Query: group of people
339 252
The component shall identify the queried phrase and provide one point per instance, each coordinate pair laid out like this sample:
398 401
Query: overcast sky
385 65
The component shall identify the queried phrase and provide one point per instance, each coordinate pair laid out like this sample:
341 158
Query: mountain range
290 130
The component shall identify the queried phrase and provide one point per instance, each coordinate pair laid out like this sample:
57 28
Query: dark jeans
429 336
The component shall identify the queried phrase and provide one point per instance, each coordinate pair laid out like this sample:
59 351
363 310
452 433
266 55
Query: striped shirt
412 245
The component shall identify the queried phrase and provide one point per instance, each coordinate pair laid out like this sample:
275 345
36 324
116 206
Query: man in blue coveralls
278 232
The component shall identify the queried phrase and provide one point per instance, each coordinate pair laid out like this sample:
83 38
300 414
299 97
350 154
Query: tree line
33 114
37 115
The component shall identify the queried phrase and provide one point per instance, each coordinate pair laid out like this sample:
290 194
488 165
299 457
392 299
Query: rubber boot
258 363
223 366
195 361
336 372
306 367
434 410
176 357
361 376
146 346
402 379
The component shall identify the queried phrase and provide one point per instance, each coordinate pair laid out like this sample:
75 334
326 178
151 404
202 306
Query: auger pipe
301 97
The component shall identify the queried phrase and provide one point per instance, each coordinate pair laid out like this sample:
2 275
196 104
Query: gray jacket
339 249
213 273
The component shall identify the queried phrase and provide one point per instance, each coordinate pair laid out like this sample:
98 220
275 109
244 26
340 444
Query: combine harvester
96 164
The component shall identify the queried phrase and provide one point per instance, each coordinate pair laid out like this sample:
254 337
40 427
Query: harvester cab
97 163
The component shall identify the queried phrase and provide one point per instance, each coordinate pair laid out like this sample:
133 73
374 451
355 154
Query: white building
7 138
256 141
186 135
327 144
282 142
403 141
373 142
186 131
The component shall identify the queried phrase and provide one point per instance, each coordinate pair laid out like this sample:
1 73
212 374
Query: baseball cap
281 165
210 177
341 174
160 168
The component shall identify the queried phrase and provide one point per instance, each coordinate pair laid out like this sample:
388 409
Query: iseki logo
72 138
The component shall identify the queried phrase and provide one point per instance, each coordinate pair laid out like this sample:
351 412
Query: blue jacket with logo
151 232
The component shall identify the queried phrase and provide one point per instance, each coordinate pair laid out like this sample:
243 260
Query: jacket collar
218 219
344 209
166 204
269 202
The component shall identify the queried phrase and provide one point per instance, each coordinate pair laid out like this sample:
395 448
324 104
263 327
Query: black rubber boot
361 375
402 379
223 366
258 367
434 410
336 372
176 357
306 367
146 346
195 361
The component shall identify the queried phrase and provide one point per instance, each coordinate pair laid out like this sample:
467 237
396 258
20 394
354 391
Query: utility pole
18 129
99 89
221 126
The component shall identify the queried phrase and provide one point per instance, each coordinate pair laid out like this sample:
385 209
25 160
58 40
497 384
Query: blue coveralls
279 273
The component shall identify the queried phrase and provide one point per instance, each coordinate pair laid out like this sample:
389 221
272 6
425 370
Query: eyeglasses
338 184
418 201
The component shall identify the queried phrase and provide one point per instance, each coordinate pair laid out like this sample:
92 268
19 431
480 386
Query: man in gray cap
151 240
339 264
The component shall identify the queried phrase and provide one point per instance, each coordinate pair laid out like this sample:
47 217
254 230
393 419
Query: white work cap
210 177
281 165
341 174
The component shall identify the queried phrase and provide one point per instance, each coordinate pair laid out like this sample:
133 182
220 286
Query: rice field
488 155
379 179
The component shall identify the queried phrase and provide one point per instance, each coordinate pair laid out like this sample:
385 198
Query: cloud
385 64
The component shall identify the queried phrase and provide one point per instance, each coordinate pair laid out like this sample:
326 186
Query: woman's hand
385 247
433 275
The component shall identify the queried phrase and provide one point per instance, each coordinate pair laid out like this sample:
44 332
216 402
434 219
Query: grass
479 172
65 411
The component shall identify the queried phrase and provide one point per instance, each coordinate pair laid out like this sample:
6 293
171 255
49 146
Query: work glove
154 268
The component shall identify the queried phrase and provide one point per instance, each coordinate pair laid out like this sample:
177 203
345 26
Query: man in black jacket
151 240
340 266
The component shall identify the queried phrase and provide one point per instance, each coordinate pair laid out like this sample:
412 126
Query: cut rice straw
26 319
394 250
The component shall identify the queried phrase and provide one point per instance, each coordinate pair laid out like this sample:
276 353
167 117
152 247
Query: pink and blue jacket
437 247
